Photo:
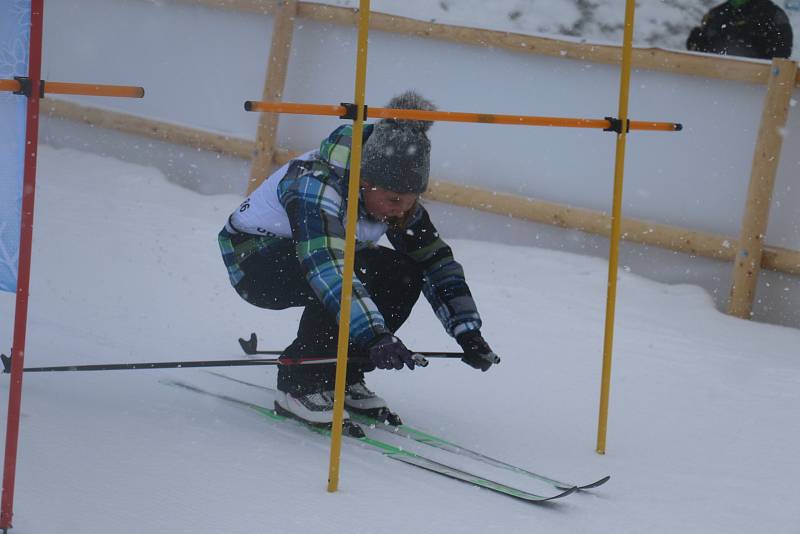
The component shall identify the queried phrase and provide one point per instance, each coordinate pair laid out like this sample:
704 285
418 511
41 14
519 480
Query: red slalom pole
24 269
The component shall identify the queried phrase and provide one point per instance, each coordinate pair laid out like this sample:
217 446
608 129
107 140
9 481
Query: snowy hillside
703 429
659 23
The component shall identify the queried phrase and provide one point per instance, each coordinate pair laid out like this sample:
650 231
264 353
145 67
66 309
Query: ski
440 443
388 450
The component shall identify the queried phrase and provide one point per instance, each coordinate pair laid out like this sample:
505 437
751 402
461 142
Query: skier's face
387 206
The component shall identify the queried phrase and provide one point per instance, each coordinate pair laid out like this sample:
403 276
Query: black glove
477 352
388 352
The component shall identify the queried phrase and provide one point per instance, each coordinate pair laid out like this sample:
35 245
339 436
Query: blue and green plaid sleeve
445 286
314 208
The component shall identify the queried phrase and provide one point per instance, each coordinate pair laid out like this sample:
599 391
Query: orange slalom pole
65 88
455 116
10 85
299 109
93 89
656 126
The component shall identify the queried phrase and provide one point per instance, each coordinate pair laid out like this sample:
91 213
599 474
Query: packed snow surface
703 427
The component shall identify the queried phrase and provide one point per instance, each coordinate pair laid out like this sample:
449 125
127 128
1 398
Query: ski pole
418 359
166 365
250 346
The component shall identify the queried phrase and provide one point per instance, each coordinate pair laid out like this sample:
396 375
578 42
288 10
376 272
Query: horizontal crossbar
66 88
455 116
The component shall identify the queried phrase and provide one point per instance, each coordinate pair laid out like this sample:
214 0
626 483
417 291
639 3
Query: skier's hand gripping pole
477 352
388 352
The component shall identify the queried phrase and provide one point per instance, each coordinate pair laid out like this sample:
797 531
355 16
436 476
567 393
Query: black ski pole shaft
187 364
425 354
250 346
166 365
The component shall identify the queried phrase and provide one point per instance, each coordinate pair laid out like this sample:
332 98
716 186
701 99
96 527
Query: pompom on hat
397 154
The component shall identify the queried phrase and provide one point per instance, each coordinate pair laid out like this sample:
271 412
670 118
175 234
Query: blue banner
15 24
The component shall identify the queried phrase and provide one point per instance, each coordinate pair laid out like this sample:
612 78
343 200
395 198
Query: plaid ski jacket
314 195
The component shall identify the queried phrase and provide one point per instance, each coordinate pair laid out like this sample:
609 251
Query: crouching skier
284 247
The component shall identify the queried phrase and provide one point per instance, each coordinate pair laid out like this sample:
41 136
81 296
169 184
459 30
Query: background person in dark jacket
749 28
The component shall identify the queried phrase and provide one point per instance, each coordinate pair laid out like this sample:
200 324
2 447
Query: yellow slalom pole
349 247
616 219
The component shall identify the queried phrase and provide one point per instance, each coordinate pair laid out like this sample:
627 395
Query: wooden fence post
277 67
747 263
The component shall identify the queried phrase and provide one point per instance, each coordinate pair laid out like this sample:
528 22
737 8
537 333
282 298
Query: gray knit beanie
397 155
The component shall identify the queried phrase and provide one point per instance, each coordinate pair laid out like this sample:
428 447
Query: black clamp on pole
351 111
616 125
26 86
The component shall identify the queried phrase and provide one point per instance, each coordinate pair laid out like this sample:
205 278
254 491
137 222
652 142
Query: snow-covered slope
703 426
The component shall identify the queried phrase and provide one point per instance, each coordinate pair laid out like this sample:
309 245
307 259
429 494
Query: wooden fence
747 254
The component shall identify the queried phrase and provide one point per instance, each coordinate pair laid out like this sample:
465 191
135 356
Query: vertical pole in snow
24 270
616 220
349 247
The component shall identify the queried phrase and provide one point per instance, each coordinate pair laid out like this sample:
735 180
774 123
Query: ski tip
596 484
541 500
